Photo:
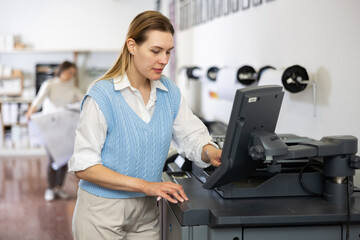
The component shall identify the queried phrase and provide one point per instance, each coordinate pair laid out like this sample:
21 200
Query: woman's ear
131 45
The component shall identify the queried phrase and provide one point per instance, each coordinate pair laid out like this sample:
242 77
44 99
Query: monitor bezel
254 108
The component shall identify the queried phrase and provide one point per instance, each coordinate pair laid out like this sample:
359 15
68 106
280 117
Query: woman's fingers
167 197
177 196
183 194
218 154
215 157
171 192
215 163
180 192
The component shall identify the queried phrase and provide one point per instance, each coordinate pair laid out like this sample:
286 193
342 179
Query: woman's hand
28 116
29 112
211 154
166 190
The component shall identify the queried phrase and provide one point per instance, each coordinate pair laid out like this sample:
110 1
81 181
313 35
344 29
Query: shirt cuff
77 164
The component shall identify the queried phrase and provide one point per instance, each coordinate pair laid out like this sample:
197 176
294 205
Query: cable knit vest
133 147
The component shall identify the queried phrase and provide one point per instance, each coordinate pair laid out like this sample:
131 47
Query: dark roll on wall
292 78
246 75
190 72
212 73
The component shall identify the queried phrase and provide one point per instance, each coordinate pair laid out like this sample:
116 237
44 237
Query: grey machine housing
268 181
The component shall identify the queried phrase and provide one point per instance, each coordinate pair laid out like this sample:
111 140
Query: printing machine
269 186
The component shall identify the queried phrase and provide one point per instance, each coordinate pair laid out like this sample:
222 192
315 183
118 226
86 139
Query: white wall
323 36
61 27
70 24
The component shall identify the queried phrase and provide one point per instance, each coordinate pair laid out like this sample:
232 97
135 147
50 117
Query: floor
24 214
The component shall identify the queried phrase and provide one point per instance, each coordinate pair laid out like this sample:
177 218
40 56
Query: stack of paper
58 132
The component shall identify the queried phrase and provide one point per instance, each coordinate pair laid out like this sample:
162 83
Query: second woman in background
56 92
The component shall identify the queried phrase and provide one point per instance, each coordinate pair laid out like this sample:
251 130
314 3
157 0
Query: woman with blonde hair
128 120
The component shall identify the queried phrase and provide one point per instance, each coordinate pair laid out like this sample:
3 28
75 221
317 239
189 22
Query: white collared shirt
189 132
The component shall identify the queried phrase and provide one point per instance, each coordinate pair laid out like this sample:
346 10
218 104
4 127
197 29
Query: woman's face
67 74
151 57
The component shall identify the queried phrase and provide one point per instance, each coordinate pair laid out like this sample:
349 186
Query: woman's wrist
143 186
211 154
205 153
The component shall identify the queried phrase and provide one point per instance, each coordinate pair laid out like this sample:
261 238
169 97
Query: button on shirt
189 132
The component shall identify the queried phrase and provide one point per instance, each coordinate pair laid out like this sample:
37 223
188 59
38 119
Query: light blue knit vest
133 147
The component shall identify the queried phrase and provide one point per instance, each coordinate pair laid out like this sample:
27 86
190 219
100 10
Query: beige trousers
103 218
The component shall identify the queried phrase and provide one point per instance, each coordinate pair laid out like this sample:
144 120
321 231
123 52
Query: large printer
269 186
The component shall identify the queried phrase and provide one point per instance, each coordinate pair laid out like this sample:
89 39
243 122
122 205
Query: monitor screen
254 108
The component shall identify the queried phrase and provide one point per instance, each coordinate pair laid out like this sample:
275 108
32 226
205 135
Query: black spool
212 73
246 75
292 77
262 70
190 73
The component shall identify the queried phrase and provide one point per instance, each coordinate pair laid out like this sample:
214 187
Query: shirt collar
158 84
121 83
